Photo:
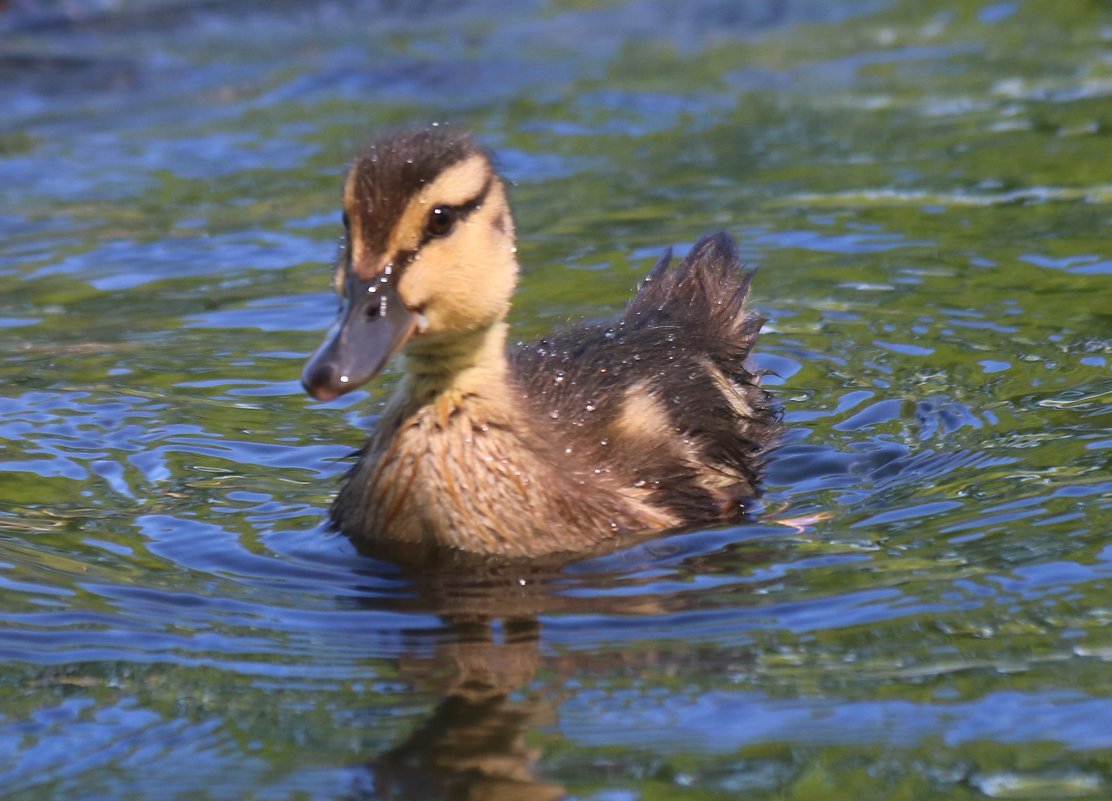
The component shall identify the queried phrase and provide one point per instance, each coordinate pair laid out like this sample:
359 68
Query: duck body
649 423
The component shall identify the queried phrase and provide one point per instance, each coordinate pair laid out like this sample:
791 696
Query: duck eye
441 221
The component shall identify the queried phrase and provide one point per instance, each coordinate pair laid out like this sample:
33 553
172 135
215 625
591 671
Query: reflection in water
473 745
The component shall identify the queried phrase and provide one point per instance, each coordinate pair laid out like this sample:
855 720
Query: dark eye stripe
403 258
462 211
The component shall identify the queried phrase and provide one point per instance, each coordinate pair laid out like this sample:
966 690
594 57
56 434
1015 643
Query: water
920 609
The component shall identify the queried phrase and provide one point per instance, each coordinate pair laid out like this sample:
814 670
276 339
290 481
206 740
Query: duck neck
471 363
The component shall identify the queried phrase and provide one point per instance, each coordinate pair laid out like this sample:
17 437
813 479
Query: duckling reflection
474 743
652 423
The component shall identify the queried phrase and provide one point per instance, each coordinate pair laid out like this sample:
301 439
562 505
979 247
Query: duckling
648 423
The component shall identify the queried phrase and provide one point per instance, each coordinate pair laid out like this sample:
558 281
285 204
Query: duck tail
703 295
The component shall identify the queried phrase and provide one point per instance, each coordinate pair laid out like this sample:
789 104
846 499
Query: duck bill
373 325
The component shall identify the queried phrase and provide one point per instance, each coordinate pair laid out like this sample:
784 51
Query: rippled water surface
921 609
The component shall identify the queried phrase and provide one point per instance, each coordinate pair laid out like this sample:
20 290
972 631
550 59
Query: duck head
428 255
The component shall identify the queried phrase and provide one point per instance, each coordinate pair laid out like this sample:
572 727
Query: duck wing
663 395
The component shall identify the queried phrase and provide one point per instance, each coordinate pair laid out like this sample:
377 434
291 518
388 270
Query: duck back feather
663 397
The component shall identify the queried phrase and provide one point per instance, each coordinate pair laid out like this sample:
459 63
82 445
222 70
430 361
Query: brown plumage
652 422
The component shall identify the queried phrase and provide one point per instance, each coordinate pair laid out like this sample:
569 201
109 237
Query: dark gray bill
372 326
